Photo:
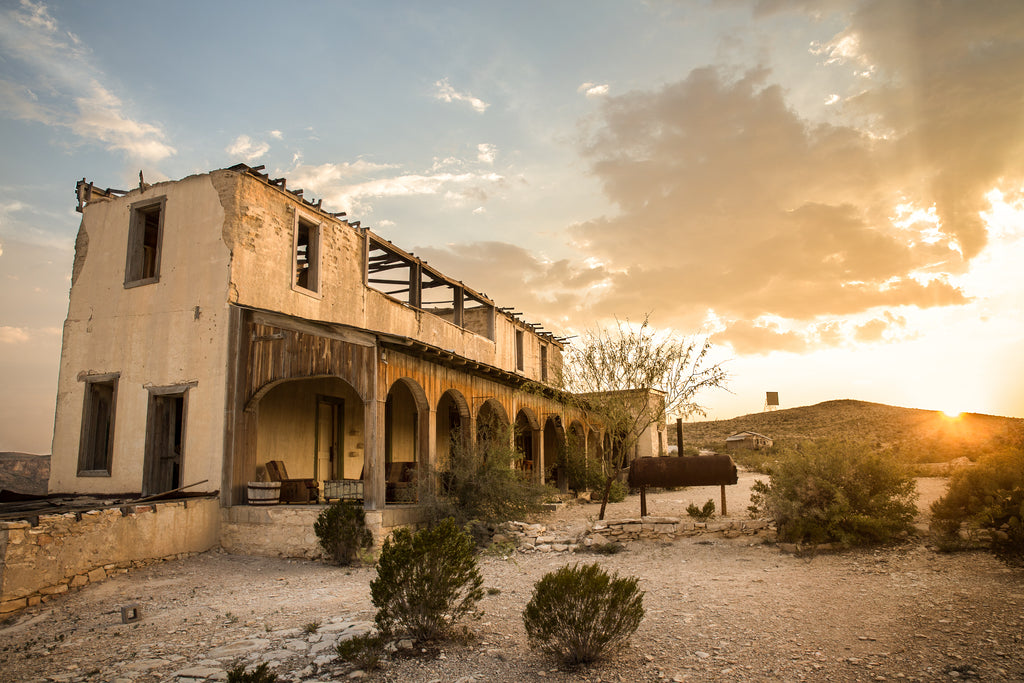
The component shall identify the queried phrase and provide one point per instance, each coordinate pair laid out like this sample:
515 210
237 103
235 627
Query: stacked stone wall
63 552
538 538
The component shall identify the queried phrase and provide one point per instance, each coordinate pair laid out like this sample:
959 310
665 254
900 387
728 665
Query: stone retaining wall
66 551
537 537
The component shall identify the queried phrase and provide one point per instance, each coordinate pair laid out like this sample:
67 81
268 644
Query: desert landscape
717 608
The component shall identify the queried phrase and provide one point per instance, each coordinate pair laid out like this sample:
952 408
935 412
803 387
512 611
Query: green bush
618 492
341 530
426 581
990 497
238 674
579 614
480 481
828 491
702 514
363 651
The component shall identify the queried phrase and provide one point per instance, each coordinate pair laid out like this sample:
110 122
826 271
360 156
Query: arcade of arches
390 427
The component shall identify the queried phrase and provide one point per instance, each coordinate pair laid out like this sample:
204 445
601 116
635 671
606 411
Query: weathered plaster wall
161 334
260 229
67 551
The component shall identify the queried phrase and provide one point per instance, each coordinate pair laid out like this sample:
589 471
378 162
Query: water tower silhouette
771 400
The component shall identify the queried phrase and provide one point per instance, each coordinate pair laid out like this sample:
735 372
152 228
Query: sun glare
952 414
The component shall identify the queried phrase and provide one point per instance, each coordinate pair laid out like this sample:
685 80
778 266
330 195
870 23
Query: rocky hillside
911 434
24 472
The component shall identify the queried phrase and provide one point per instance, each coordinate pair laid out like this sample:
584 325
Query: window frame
314 259
520 350
134 266
87 457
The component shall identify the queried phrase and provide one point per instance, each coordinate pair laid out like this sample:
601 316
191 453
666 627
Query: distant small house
751 440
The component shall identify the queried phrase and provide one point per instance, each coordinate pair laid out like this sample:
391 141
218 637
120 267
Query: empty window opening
145 234
307 255
97 443
165 440
520 362
543 363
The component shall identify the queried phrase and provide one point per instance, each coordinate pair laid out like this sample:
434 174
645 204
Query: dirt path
717 609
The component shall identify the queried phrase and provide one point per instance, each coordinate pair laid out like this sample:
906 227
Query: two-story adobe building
222 321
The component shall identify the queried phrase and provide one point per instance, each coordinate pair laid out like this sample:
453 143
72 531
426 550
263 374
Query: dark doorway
165 439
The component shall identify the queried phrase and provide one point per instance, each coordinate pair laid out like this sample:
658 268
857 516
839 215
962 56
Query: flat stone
199 672
238 648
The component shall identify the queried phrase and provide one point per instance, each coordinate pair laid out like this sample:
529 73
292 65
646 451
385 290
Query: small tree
481 481
835 491
341 530
630 377
426 581
579 614
990 497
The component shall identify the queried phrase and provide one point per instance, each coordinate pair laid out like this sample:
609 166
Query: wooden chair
293 490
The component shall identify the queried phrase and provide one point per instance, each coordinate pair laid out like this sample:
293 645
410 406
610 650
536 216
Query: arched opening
452 425
491 422
526 433
576 458
314 428
554 453
402 442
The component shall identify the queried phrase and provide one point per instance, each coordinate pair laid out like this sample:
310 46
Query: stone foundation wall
536 537
287 530
66 551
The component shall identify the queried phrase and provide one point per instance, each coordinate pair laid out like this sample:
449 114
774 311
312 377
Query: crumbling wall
66 551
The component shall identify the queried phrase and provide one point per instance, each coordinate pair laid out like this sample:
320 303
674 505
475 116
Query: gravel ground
717 609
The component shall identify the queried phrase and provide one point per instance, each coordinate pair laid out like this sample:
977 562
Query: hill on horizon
24 472
911 434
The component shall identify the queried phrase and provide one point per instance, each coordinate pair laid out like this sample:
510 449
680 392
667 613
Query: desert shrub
238 674
579 614
829 491
426 581
363 651
701 514
341 530
617 493
990 497
480 481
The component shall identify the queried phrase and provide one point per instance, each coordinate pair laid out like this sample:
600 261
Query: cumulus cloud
447 93
593 89
61 88
13 335
245 148
486 152
352 187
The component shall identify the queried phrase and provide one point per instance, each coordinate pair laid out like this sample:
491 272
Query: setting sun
953 414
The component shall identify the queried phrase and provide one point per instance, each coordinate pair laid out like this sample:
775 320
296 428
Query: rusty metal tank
697 470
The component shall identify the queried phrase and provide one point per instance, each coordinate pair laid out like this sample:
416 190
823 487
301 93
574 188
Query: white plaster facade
249 317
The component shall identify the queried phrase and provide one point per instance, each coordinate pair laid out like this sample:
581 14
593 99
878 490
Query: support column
374 423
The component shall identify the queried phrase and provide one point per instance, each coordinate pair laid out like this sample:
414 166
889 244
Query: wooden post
679 436
643 500
725 510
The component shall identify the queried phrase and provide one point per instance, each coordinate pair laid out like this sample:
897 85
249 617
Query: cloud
352 187
244 147
486 153
277 135
730 200
61 88
446 93
13 335
593 89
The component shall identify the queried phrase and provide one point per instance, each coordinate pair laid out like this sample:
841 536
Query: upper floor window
96 446
543 363
145 234
306 254
520 359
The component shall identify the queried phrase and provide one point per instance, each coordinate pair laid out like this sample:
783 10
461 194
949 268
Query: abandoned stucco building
222 321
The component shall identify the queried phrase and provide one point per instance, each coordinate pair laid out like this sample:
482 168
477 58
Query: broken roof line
87 192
